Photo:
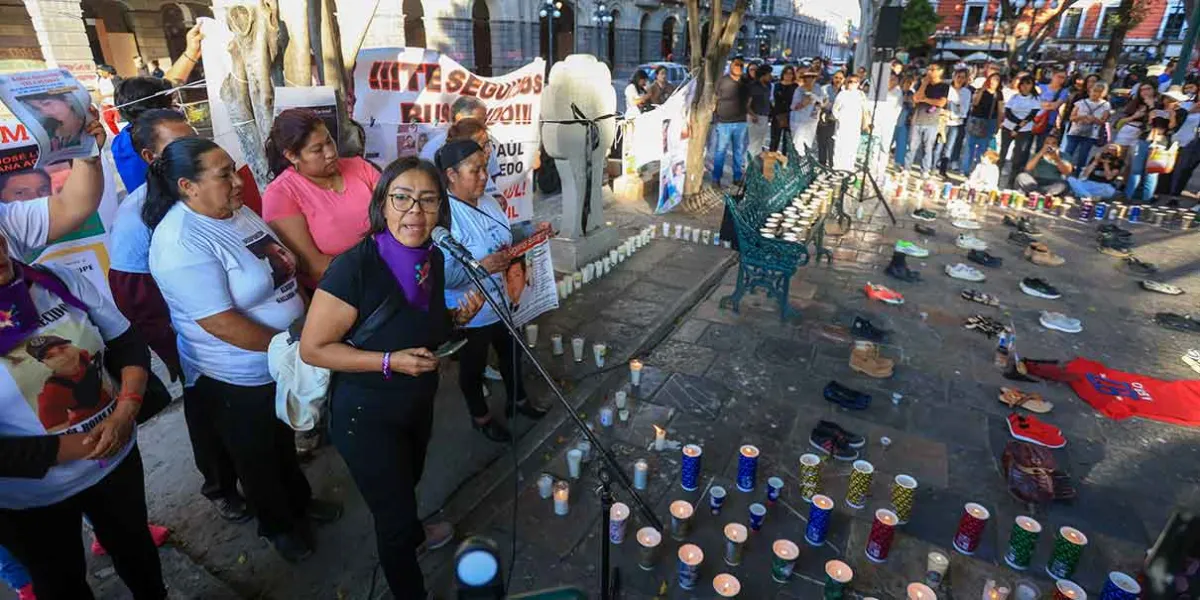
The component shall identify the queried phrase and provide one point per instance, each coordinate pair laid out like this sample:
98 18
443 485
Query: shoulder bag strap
382 314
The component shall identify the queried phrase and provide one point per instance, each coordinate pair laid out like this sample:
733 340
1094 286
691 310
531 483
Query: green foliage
918 23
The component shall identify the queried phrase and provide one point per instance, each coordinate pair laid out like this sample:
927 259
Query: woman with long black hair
1017 129
231 286
781 105
384 384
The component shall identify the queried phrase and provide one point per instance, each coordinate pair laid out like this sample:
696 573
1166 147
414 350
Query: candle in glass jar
635 372
935 568
648 540
920 591
726 585
641 474
681 519
562 494
660 438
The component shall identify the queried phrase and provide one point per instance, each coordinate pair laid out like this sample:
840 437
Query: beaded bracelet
387 365
130 396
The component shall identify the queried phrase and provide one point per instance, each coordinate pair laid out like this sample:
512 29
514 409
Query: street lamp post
601 17
550 10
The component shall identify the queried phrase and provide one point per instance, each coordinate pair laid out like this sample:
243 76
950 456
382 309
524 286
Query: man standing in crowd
957 105
730 122
828 122
931 97
758 120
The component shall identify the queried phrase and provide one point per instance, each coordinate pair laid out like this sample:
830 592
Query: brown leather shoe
1039 254
865 359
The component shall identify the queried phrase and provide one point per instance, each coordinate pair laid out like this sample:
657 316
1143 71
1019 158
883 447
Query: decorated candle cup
758 513
837 577
747 470
726 585
648 541
860 484
681 519
970 528
716 499
883 531
1065 589
690 470
936 565
1068 546
736 535
1022 542
818 520
774 488
810 476
690 557
785 553
904 489
1120 586
618 518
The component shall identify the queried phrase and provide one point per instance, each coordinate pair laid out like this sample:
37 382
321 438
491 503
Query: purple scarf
410 267
18 314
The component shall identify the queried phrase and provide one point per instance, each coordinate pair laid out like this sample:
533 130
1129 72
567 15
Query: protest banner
404 97
53 107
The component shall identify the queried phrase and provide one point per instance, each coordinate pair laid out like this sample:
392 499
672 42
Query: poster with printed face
673 139
53 106
404 99
529 280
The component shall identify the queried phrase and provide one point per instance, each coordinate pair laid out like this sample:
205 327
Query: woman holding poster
479 224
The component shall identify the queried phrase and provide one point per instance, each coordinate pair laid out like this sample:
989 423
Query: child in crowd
986 175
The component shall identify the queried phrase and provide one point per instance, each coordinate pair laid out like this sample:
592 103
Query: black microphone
441 236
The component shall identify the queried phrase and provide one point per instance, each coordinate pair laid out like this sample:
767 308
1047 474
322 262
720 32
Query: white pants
757 134
804 136
845 147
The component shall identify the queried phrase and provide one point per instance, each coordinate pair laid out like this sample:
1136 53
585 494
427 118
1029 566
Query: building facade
1080 34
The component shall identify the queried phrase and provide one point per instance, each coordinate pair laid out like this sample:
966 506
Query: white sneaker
967 224
490 373
1162 288
1192 359
965 272
959 210
968 241
1060 322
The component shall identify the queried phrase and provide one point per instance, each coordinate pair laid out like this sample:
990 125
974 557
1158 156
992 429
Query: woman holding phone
376 319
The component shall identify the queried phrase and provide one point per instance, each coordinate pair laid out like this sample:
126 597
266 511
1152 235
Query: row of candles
602 266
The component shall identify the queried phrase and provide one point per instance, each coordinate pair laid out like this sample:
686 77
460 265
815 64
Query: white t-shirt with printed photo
206 266
55 383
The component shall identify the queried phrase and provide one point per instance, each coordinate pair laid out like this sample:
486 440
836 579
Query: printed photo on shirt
280 259
59 371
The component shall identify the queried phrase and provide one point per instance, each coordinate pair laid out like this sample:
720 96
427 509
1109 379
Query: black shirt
782 101
760 98
360 278
986 107
731 101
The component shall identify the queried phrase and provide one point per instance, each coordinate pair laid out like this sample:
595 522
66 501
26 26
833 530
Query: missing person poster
321 99
530 278
405 99
53 107
674 134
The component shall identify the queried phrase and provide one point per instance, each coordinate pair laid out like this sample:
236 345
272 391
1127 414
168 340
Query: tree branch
693 17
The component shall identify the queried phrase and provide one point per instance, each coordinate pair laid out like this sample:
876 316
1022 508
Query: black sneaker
1026 226
983 258
846 397
324 511
1021 238
1114 241
832 444
231 509
290 546
1010 221
853 440
1037 287
924 214
863 329
493 430
923 230
1109 229
1138 265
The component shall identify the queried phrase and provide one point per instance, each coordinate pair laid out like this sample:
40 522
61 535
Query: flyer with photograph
53 107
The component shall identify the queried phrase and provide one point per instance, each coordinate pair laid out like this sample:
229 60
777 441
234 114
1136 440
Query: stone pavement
723 379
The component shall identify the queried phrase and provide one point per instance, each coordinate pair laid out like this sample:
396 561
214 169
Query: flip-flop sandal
1014 399
1192 360
980 297
1182 323
1161 288
1141 265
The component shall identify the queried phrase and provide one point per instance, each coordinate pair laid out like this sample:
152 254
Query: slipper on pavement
1032 402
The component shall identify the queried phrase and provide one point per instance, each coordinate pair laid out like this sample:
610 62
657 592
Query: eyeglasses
404 203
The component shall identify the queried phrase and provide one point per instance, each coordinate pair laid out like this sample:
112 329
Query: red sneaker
1028 428
882 294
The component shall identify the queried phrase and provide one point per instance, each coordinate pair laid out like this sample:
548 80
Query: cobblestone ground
723 379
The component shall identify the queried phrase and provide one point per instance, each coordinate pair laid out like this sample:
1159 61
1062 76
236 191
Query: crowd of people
1049 129
341 253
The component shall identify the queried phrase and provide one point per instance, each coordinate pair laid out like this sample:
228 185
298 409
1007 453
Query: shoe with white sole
967 224
1037 287
911 249
1060 322
1162 288
968 241
965 272
1192 359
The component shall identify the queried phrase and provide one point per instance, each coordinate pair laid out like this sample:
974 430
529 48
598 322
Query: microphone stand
609 468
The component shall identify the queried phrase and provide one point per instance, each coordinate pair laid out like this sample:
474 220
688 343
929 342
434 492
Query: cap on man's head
40 345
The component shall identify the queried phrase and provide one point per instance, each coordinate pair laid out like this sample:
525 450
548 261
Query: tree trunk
1117 42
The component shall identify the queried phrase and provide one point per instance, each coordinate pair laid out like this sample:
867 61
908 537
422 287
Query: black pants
263 451
1027 183
1185 164
208 452
47 540
1021 143
825 143
777 132
383 440
473 358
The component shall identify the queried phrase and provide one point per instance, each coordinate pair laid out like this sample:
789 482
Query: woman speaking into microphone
480 225
375 320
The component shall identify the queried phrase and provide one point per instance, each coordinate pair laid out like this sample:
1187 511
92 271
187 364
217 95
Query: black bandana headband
454 152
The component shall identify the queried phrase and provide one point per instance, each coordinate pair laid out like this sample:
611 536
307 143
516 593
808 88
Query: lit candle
689 472
920 591
837 575
935 568
562 494
735 538
648 540
618 517
635 372
883 531
786 552
690 557
1068 546
641 474
681 519
726 585
660 438
1068 590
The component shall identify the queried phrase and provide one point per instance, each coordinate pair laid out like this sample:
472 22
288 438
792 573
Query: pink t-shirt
336 221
